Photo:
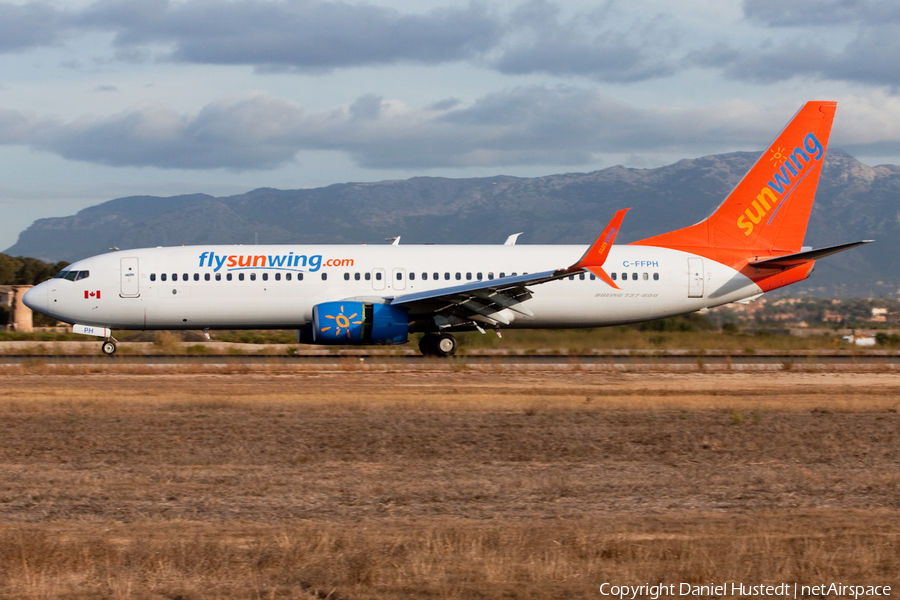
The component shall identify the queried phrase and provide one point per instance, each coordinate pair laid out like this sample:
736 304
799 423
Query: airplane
359 294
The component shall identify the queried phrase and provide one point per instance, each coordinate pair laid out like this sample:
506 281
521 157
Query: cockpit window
73 275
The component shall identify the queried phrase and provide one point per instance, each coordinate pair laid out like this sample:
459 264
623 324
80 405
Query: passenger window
478 276
241 276
378 276
299 276
399 276
613 275
468 277
571 278
646 276
593 277
634 276
490 276
228 277
436 276
152 276
218 277
174 276
287 276
356 276
265 276
324 276
446 276
412 276
346 276
424 276
252 276
368 276
277 276
581 276
513 274
458 276
502 274
624 276
656 277
184 277
162 277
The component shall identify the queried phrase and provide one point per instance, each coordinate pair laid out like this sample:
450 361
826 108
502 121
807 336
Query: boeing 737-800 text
363 294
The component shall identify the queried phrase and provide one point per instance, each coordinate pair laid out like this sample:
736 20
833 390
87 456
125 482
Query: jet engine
359 323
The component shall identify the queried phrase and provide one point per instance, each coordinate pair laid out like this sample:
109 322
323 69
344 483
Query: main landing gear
109 346
438 344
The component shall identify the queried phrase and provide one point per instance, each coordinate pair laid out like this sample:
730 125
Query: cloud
30 25
599 44
318 35
813 49
829 13
532 125
249 133
296 34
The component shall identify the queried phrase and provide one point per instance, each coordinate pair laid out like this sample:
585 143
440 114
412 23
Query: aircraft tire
428 344
445 345
109 348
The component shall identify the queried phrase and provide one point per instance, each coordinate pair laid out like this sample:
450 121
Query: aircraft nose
36 298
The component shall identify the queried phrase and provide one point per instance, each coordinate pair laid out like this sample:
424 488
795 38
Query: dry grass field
444 483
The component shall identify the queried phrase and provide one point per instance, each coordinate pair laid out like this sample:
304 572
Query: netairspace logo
782 590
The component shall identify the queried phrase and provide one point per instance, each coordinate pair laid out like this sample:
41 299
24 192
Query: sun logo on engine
341 321
777 156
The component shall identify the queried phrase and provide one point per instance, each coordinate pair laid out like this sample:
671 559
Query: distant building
20 316
860 340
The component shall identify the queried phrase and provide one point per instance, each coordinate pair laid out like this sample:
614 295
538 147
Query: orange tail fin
767 213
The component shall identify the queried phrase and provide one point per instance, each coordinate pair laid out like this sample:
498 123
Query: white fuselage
197 287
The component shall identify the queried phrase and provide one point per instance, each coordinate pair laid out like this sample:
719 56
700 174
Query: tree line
22 270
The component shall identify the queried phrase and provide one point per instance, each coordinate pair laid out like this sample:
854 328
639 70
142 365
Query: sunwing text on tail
331 294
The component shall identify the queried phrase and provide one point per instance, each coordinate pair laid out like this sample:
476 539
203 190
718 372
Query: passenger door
399 279
378 279
130 284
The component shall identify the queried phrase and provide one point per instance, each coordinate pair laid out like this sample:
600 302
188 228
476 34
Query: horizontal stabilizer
792 260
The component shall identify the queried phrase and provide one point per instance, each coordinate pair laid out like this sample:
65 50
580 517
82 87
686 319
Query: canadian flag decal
88 294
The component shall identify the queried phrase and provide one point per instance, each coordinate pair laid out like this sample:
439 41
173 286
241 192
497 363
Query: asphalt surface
782 361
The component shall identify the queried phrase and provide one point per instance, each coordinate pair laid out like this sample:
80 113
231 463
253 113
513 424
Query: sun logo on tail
777 156
342 321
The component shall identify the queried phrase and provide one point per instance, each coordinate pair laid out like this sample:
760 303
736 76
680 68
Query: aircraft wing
483 301
480 298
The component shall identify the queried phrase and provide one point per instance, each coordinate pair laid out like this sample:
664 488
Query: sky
110 98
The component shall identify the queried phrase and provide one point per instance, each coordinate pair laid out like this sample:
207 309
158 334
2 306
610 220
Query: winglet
596 255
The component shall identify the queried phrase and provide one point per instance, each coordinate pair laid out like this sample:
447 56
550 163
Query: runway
617 361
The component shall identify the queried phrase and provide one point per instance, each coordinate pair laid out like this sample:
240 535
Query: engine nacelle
359 323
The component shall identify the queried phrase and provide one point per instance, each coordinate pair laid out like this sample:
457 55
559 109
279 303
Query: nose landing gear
109 346
438 344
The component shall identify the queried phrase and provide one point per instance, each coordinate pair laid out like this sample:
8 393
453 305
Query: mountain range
854 202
